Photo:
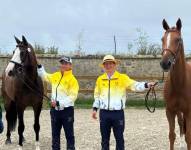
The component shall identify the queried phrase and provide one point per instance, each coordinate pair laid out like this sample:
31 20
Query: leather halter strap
16 63
174 54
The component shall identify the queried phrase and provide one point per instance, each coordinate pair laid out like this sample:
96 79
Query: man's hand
94 114
39 66
53 104
151 84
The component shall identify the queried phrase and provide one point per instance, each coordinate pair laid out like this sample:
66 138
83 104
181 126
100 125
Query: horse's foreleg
21 126
181 123
188 132
37 111
8 140
171 120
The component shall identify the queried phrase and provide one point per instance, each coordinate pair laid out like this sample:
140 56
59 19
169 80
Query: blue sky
61 22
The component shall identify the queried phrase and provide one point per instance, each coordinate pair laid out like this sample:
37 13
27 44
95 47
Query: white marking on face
168 40
15 58
29 50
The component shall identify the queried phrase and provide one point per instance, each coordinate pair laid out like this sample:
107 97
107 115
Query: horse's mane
33 55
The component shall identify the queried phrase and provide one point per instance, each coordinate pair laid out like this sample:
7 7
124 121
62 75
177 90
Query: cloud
59 22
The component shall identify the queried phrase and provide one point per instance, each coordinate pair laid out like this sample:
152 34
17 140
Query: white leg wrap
19 147
182 143
37 145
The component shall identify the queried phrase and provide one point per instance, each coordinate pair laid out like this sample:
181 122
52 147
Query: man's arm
43 74
138 86
96 103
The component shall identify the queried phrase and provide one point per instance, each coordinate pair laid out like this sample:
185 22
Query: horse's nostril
162 64
165 65
169 63
10 73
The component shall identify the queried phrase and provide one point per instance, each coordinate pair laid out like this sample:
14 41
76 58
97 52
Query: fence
88 92
87 69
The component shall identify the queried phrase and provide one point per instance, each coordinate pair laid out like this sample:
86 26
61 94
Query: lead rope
152 94
35 90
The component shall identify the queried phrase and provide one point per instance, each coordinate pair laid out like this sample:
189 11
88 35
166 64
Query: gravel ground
144 131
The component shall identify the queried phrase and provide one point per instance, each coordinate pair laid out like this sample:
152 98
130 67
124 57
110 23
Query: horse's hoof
8 141
19 147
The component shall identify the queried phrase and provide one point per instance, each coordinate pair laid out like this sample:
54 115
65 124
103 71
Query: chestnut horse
19 83
177 88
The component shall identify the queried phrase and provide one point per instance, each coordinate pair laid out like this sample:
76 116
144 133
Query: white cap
66 59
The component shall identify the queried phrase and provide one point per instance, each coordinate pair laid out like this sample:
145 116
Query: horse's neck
31 73
178 71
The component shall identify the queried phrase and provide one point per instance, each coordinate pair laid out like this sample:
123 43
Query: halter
33 88
16 63
174 54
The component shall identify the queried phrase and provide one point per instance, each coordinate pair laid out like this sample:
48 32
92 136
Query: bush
39 49
144 47
52 50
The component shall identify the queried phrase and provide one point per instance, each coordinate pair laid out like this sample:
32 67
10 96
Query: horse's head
171 42
23 57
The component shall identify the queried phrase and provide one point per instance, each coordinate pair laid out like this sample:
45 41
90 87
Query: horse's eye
13 52
162 39
178 39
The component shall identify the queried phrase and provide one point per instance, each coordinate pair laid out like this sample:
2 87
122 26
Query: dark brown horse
177 88
21 87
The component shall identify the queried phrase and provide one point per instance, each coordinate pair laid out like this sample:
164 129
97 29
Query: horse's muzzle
165 65
10 73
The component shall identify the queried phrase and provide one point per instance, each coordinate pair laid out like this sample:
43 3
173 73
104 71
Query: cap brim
109 61
64 61
116 61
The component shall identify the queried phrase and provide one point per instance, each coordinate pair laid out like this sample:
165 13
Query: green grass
81 103
87 103
141 103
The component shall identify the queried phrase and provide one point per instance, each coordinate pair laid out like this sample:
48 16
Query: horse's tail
11 115
182 123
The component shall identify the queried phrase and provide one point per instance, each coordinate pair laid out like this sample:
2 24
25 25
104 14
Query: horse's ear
179 24
17 40
24 40
165 24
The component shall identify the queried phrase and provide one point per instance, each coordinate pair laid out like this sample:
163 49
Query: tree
129 48
144 47
52 50
154 49
141 42
39 49
79 43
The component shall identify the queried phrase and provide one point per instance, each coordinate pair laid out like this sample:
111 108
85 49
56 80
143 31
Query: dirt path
144 131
